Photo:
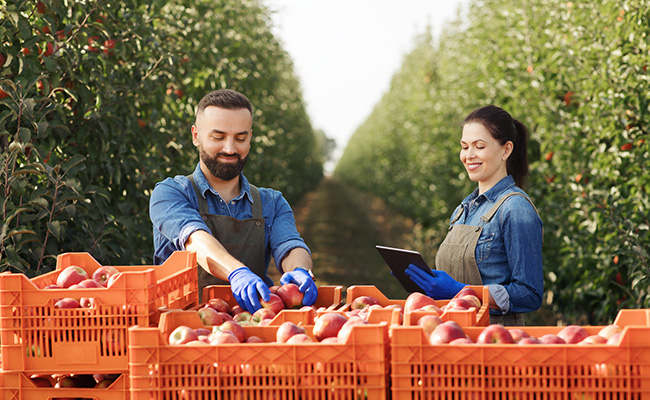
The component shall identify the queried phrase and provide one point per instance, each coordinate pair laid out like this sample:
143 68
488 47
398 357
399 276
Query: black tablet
398 260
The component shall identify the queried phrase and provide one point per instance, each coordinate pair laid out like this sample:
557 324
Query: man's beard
223 171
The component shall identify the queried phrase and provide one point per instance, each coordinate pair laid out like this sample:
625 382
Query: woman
495 234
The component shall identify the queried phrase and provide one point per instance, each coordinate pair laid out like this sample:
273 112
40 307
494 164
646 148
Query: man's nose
229 146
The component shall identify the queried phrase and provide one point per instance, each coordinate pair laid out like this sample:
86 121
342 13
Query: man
234 227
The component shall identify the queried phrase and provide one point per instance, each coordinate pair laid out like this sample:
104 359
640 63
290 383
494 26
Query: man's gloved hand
301 277
440 286
248 288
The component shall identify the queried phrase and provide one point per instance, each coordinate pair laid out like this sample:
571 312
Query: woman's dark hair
504 128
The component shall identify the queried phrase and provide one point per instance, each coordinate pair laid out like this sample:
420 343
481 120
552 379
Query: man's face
223 138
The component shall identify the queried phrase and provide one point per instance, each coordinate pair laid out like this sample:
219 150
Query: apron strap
490 214
203 203
257 202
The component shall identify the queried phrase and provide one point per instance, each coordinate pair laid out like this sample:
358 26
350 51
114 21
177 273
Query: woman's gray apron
456 256
243 238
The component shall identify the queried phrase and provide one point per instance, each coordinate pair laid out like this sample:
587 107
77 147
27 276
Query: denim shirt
174 212
509 250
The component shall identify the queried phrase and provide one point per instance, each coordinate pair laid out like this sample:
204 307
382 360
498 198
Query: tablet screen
398 260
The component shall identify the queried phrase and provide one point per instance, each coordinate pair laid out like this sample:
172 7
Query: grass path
342 226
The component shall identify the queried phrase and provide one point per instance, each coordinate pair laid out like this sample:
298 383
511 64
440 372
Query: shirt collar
203 185
495 191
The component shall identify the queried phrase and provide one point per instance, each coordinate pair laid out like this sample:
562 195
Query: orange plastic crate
471 317
18 386
36 337
353 370
420 370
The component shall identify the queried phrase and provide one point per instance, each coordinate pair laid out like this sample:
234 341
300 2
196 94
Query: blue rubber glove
301 277
440 286
248 288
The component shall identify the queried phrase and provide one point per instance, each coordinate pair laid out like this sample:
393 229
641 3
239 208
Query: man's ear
195 135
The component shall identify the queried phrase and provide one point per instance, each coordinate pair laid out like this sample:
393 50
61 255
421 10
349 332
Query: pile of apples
329 327
288 296
450 332
75 277
99 381
466 299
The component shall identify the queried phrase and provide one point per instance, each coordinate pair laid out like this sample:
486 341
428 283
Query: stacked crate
38 339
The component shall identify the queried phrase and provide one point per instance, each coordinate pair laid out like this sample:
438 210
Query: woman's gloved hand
247 288
305 282
440 285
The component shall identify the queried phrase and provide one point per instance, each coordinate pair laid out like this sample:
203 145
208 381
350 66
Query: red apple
551 338
236 309
70 276
573 333
475 300
330 340
290 295
219 305
462 340
529 340
233 327
103 274
65 382
254 339
202 331
432 308
182 334
466 291
429 323
363 302
104 383
243 317
518 334
299 338
262 314
225 316
593 339
328 325
224 337
615 339
275 303
67 303
41 381
495 333
286 330
274 288
345 331
113 278
460 303
90 284
417 300
446 332
609 330
209 316
52 286
87 302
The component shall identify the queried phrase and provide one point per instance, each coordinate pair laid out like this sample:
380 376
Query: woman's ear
507 149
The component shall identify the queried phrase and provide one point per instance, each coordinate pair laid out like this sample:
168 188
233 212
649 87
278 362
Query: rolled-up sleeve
174 217
283 235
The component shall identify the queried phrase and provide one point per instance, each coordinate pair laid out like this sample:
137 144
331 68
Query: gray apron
242 238
456 256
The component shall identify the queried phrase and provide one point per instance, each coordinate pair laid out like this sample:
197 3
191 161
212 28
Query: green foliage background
97 102
576 73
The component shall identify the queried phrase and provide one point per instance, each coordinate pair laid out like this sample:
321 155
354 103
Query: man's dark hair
225 98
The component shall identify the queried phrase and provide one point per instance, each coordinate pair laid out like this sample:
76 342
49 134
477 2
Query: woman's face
483 156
